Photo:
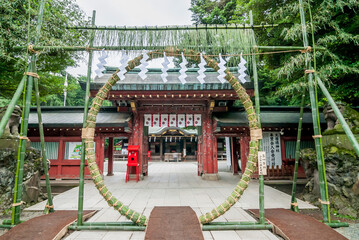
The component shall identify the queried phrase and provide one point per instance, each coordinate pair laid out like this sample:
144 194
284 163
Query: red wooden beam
229 94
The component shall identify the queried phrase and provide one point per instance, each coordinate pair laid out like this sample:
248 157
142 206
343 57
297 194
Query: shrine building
203 123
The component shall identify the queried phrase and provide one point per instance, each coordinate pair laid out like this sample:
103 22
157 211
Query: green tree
17 28
212 12
336 27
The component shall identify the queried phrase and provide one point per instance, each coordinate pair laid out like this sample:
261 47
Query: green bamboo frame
117 48
31 82
260 146
82 162
324 196
169 28
254 122
294 204
138 218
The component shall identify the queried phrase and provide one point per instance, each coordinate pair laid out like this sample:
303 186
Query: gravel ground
351 232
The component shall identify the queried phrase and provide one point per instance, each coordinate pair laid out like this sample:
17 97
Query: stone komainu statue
12 126
330 116
350 115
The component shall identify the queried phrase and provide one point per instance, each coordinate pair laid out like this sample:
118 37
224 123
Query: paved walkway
172 184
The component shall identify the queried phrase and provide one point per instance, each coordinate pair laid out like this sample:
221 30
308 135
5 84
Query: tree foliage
17 28
335 27
212 12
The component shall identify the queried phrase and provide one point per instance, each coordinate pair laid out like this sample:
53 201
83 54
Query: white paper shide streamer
221 69
101 64
183 70
143 65
164 68
242 70
123 65
201 70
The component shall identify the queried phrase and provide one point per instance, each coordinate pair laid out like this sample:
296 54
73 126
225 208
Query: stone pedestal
210 176
339 140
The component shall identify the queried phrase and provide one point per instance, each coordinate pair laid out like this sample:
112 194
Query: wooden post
161 149
244 151
184 147
110 157
215 154
61 157
209 160
234 156
136 138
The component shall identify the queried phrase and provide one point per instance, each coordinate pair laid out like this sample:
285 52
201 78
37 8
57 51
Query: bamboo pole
108 223
260 146
234 223
7 226
339 115
8 222
16 209
82 164
106 227
141 47
294 204
11 105
316 127
17 202
204 227
49 206
237 227
171 28
337 224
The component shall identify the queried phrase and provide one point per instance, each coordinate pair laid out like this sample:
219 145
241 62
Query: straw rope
88 136
317 136
32 74
323 202
309 71
24 138
18 204
30 48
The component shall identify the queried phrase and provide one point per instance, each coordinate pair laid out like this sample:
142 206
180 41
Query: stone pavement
171 184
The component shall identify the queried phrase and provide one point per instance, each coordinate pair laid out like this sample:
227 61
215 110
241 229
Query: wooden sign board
262 163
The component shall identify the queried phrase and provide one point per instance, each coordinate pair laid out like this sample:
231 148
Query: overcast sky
133 13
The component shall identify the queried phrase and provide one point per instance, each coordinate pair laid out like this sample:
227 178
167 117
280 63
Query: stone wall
342 170
32 171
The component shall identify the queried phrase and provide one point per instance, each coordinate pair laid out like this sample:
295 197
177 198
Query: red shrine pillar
209 149
110 157
244 142
136 138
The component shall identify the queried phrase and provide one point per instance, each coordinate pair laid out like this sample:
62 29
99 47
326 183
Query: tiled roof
154 81
270 117
73 117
